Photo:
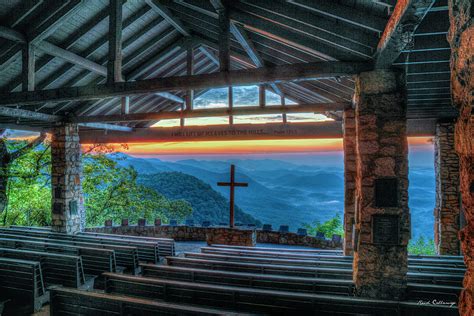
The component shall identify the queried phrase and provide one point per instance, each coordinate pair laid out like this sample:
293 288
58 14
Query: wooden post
231 104
282 99
28 67
125 105
224 39
261 96
189 71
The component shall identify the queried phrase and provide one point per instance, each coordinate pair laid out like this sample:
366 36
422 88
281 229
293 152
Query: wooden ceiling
68 41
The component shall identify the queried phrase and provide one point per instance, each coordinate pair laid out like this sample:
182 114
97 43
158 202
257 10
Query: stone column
67 199
382 213
446 213
461 39
349 178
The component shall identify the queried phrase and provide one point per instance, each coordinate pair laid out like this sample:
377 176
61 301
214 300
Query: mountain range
278 192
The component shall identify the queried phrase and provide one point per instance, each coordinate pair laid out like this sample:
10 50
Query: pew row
94 260
65 301
166 246
312 263
147 251
57 269
125 256
262 281
22 285
262 301
302 271
451 263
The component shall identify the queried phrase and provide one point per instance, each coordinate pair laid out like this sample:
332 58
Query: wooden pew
147 251
302 271
294 250
430 292
125 256
257 300
166 246
35 228
22 284
268 260
311 263
261 281
66 301
58 269
94 260
452 263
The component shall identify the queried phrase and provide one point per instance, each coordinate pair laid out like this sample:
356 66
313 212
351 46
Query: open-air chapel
106 71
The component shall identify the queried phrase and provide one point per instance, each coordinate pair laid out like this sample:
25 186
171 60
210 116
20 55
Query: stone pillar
382 214
461 39
67 199
446 213
349 178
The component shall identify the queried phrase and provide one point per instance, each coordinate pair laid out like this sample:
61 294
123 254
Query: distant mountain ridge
283 193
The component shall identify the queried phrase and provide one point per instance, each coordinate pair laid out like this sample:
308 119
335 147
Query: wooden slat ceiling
281 32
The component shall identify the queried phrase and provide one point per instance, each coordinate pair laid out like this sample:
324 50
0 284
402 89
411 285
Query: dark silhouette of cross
232 184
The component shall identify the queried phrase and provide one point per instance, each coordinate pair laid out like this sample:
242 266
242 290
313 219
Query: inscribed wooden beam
214 112
401 27
114 64
218 133
301 71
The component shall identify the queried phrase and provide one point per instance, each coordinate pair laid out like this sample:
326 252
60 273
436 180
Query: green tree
328 228
421 246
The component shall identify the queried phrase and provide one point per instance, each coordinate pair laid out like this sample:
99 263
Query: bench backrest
21 283
95 261
66 301
261 281
126 256
58 269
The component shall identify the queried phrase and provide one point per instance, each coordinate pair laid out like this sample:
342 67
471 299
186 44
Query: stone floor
195 246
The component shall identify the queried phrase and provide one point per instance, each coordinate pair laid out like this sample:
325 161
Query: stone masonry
461 39
349 178
67 199
232 236
447 208
380 267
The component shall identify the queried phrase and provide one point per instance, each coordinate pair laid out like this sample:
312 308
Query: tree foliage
421 246
328 228
110 191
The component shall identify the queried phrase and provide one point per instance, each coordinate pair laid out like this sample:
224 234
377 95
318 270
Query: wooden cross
232 184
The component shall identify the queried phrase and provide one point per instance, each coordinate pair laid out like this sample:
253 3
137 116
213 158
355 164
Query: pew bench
166 246
65 301
258 300
435 261
430 292
22 284
57 269
261 281
304 271
147 251
94 260
294 250
125 256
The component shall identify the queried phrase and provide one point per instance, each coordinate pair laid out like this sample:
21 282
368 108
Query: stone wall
447 208
349 177
461 39
231 236
67 199
380 263
189 233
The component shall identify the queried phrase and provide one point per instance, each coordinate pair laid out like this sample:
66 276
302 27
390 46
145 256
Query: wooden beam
170 96
28 67
12 35
224 36
214 112
301 71
114 64
168 16
108 127
29 115
261 96
230 97
218 133
405 19
125 105
75 59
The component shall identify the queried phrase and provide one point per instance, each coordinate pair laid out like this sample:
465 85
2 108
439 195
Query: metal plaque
386 192
73 207
385 229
